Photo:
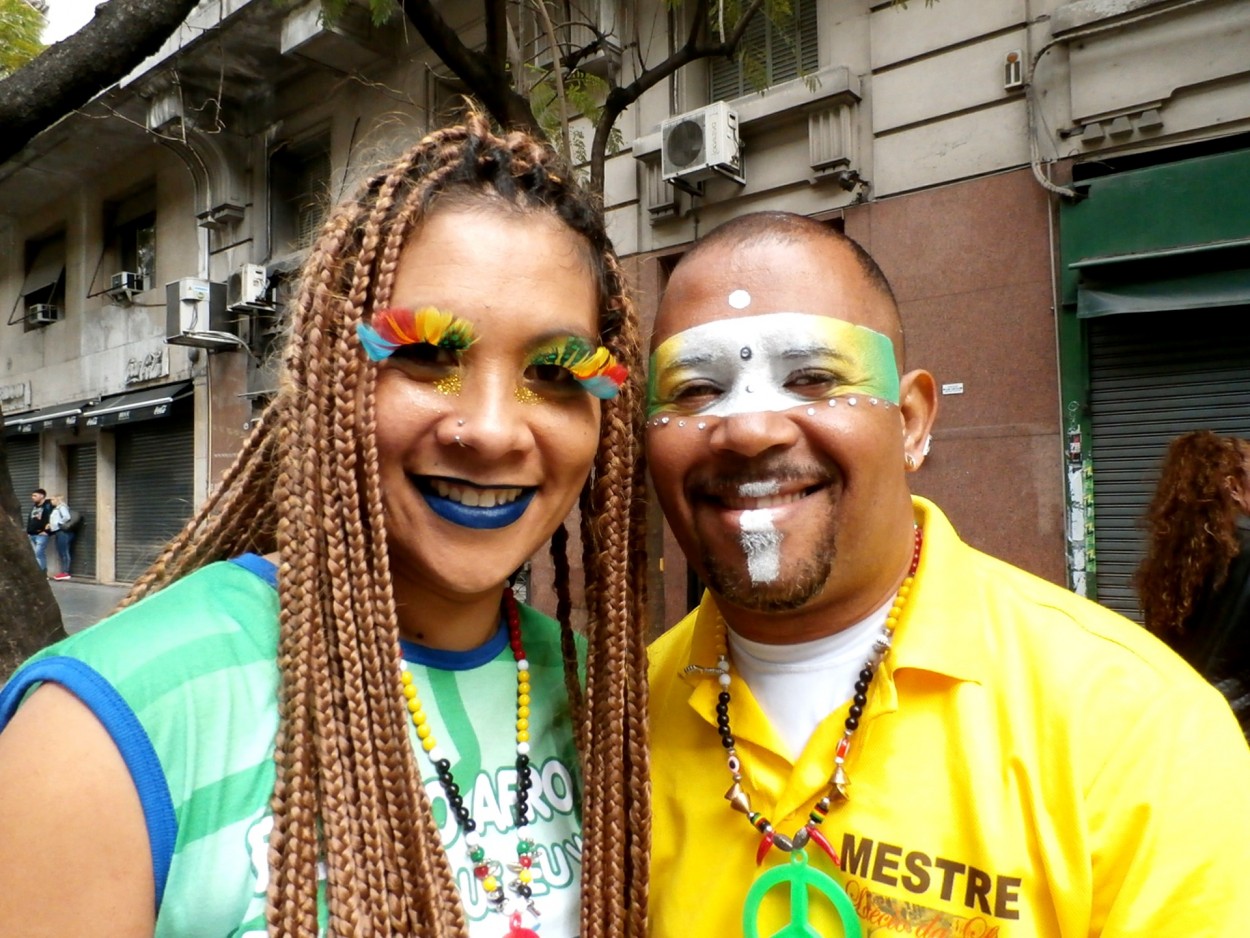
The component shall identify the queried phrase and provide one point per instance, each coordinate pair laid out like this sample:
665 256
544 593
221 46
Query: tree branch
694 49
486 78
70 73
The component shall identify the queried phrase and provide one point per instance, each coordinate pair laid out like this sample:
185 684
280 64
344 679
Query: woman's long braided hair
347 787
1191 527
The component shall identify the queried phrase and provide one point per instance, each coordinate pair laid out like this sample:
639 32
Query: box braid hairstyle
347 786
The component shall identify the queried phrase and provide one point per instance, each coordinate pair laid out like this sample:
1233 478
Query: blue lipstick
471 516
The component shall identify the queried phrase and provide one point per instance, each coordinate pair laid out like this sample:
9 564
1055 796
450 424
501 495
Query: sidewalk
84 602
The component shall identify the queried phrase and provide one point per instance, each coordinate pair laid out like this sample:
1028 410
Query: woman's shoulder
221 611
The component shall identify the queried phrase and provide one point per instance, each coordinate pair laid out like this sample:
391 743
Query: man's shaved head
770 229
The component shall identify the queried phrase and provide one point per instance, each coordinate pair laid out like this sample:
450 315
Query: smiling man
867 726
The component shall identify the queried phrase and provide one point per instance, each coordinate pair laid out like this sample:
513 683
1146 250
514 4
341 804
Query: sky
66 17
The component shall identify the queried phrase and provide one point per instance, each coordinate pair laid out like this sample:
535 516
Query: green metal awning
1202 290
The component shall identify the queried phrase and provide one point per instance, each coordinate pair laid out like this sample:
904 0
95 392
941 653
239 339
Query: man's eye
810 382
554 375
695 393
423 353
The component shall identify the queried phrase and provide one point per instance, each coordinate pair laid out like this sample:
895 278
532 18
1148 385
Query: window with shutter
770 52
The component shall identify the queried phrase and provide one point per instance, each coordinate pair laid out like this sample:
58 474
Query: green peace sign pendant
800 876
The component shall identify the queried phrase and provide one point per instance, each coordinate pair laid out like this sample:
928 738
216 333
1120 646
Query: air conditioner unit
196 315
701 144
40 314
248 288
124 284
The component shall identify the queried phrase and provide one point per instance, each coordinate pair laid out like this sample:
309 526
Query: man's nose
753 434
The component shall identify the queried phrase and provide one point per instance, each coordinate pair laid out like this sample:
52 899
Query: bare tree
492 76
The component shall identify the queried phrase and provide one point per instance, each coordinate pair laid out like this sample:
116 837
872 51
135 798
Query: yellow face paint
772 362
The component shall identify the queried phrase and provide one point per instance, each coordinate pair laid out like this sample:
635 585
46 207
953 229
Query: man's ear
918 404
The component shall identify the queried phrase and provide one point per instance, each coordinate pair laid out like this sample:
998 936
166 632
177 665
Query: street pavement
84 602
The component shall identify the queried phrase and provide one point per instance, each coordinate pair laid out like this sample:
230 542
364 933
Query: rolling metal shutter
155 472
80 462
1154 376
22 454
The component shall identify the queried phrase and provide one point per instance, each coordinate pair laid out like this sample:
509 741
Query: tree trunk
70 73
29 615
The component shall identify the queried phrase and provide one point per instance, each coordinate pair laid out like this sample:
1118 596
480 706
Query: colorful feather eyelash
594 367
393 328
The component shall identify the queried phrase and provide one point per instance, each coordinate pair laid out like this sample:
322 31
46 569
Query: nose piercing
459 442
459 423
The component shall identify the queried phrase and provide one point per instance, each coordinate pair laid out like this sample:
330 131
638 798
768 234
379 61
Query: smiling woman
328 715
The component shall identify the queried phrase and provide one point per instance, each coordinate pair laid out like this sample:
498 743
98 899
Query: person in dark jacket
1194 583
37 526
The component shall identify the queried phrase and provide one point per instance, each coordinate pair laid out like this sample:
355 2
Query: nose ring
459 442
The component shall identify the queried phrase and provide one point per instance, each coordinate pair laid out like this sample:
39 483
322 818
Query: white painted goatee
761 542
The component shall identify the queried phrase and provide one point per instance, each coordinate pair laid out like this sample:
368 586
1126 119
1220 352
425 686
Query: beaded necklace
490 872
838 791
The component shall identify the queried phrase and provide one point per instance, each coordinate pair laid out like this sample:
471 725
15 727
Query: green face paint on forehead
767 363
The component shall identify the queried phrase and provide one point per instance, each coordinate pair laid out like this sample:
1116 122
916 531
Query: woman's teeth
474 497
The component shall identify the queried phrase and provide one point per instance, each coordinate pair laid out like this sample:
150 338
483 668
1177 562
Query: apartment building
1058 192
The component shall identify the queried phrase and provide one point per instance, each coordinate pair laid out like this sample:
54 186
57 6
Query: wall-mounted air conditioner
196 315
40 314
700 145
123 285
248 288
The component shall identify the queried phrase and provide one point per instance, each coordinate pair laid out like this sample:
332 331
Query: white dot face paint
768 363
740 299
761 542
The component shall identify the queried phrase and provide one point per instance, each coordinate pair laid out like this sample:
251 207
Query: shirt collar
937 631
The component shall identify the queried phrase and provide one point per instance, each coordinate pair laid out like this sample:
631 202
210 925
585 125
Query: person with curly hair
1194 582
321 711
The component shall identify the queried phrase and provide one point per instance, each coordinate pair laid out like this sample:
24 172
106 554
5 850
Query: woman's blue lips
469 516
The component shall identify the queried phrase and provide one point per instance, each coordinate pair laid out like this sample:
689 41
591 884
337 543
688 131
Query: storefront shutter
1154 376
155 467
23 458
80 463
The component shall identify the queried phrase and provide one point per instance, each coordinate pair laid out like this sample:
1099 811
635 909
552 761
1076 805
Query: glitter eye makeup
390 329
769 363
593 367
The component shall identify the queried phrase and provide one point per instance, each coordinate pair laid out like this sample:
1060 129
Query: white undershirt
799 685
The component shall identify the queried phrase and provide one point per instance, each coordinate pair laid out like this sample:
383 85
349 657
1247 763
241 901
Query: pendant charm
515 930
800 878
841 785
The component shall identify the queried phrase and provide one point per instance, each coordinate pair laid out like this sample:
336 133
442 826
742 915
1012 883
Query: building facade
1057 191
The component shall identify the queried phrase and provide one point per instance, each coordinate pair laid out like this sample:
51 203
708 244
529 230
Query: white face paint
769 363
761 542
